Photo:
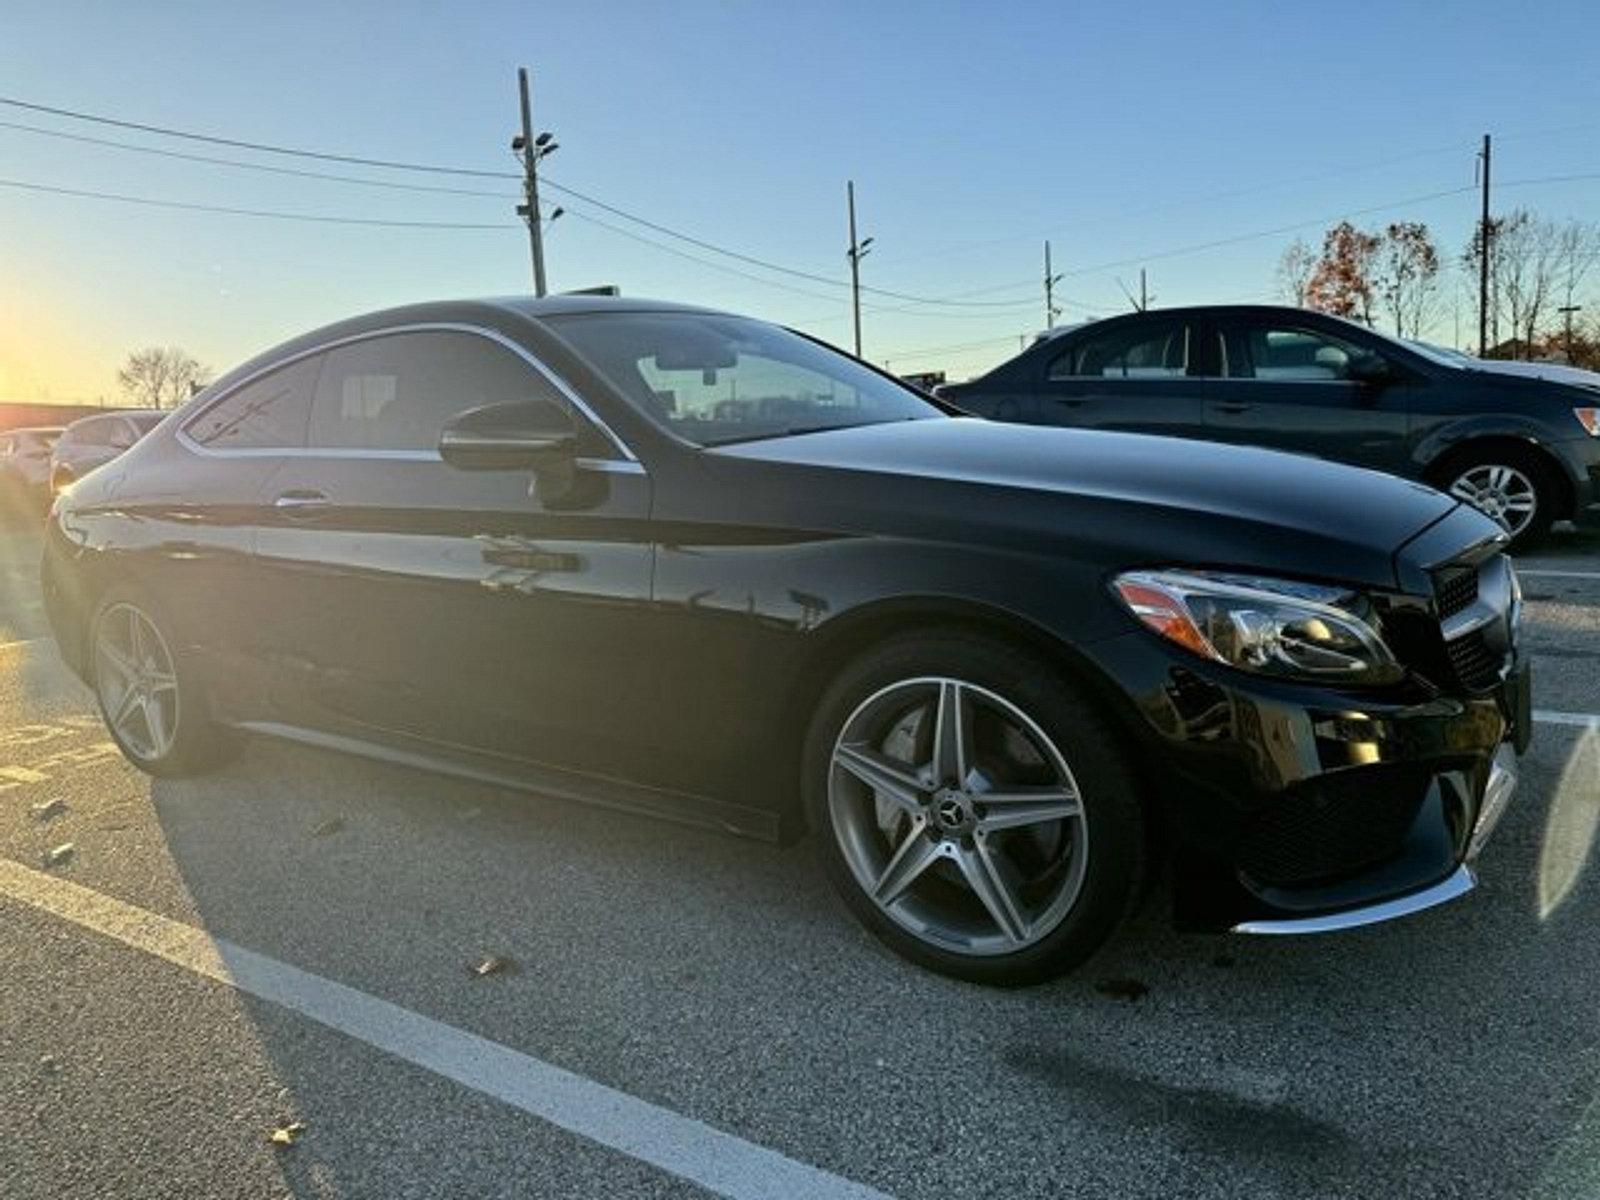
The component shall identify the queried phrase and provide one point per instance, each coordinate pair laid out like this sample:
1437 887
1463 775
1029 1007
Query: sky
1196 140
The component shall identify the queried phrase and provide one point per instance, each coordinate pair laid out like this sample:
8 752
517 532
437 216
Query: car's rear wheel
972 809
148 693
1511 486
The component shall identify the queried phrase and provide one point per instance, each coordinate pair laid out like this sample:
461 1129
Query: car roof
488 311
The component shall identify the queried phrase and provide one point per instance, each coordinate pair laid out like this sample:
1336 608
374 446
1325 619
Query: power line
250 166
272 214
433 168
263 147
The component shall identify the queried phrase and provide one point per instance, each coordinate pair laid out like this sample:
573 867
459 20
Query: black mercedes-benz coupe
1524 449
695 565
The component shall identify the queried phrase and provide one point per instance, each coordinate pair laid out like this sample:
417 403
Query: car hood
1121 496
1546 372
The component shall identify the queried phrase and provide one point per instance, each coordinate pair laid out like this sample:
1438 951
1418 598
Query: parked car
694 565
95 441
25 468
1524 450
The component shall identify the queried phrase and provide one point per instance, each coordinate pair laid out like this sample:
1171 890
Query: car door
1144 374
1291 384
198 526
465 607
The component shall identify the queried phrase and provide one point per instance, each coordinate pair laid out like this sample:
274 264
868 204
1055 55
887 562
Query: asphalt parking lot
680 1013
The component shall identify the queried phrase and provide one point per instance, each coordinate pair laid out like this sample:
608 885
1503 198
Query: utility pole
533 149
857 251
1566 310
1051 312
1485 234
1144 293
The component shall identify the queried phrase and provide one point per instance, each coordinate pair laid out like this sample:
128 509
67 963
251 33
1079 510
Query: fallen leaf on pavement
285 1135
49 809
495 965
329 827
57 855
1122 989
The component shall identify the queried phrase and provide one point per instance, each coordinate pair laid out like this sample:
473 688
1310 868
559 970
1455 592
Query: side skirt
681 807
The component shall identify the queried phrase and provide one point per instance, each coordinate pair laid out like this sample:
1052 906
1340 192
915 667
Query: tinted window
1287 353
715 379
267 413
396 392
1147 350
143 423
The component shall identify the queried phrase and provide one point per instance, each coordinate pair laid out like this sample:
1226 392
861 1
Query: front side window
1146 350
397 391
714 380
268 413
1288 354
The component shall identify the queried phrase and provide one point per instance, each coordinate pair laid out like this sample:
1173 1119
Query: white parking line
20 642
1582 720
690 1149
1551 573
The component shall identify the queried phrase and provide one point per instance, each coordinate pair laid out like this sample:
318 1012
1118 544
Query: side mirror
526 435
1371 370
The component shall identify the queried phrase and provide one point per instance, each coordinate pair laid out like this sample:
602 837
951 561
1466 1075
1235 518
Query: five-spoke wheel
151 707
958 815
977 815
137 685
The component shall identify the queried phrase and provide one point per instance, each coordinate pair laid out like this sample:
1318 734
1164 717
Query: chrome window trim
561 386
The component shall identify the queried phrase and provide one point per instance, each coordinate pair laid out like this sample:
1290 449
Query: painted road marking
715 1160
20 642
1582 720
1544 573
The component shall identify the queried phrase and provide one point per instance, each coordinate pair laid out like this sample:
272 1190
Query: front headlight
1269 626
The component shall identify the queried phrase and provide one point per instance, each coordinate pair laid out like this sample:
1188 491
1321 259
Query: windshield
713 379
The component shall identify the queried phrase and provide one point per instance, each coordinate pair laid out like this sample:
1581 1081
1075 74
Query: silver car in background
94 441
25 468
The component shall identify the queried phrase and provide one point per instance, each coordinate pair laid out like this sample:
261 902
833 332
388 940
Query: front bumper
1497 795
1299 809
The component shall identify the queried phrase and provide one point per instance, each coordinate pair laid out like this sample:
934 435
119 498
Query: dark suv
1522 449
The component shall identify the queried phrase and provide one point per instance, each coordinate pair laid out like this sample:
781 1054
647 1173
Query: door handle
1233 408
301 502
1069 401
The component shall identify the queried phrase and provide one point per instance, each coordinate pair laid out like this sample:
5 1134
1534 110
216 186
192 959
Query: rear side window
1158 350
268 413
396 392
95 432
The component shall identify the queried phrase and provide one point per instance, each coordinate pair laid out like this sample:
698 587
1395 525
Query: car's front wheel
148 693
1512 486
973 809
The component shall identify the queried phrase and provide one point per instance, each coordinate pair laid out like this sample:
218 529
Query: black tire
197 743
1529 463
1110 795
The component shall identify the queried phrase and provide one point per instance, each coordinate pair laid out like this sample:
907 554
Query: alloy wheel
958 816
136 682
1500 492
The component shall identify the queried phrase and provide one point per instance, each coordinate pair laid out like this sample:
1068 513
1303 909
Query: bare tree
162 376
1577 250
1406 275
1295 269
